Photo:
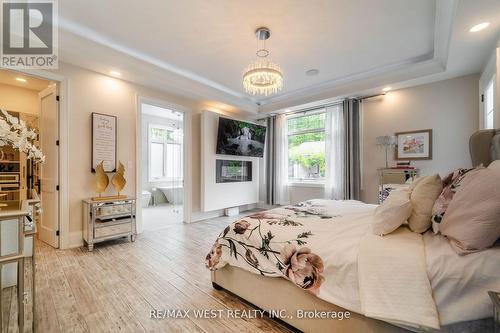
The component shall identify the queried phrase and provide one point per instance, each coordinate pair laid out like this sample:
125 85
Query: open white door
48 228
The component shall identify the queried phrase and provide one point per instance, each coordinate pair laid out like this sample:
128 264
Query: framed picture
104 137
414 145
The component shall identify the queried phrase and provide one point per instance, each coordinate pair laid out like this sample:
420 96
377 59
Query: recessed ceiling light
312 72
20 79
386 89
479 27
115 73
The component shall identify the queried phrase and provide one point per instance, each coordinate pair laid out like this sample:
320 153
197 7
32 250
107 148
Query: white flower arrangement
16 133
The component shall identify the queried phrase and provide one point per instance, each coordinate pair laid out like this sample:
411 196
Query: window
165 154
156 161
306 147
489 103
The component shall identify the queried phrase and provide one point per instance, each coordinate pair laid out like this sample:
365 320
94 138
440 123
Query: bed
320 255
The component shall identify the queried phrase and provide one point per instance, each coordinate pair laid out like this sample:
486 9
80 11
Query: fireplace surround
233 171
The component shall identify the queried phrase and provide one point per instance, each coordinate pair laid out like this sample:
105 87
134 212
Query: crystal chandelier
263 77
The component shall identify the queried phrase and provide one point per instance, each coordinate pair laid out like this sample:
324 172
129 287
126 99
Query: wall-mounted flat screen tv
240 138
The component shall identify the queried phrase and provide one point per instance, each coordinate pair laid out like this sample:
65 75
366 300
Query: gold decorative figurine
102 182
118 179
101 179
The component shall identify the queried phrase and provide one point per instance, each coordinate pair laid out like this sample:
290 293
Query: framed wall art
104 138
414 145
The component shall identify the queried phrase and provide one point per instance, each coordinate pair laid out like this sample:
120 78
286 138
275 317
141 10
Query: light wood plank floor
113 288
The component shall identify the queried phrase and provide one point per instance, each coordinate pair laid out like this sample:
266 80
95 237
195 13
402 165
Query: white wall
89 92
146 121
449 107
19 99
216 196
299 192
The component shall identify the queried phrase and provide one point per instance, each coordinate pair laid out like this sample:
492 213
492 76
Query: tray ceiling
207 44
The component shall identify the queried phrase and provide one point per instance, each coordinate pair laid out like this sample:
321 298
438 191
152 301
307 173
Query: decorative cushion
415 182
422 199
451 183
472 220
392 213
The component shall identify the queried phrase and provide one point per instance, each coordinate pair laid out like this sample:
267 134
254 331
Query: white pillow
393 212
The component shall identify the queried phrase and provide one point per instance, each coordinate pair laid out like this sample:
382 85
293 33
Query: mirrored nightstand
108 219
392 178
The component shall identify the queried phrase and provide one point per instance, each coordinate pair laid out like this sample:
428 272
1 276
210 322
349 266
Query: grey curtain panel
270 156
352 150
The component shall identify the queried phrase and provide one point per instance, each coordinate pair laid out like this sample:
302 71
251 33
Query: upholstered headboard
484 146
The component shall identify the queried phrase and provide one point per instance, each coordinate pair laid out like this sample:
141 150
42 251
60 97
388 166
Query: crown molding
443 27
426 64
156 73
346 80
87 49
356 87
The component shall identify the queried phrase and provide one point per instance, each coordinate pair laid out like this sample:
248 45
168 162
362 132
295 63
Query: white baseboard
263 205
200 216
75 240
248 207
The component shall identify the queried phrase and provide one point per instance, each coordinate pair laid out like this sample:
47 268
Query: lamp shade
386 140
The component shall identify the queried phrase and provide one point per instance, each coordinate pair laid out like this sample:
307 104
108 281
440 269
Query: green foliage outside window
310 161
307 149
314 121
162 134
298 139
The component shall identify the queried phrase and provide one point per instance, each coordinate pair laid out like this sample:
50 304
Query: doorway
162 166
34 102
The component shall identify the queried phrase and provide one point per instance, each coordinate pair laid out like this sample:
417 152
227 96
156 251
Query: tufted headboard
484 146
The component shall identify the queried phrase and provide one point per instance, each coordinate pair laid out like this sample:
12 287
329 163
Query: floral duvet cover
313 244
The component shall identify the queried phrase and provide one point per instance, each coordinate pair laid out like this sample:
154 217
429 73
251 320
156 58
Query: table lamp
387 141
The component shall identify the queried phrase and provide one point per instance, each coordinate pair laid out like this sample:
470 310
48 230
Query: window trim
306 113
306 182
314 130
164 142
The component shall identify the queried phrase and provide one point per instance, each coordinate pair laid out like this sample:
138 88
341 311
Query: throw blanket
315 245
393 280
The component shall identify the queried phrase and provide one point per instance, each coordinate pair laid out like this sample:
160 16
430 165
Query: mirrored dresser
108 219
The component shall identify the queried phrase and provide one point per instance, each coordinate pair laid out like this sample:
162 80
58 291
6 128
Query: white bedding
459 283
393 282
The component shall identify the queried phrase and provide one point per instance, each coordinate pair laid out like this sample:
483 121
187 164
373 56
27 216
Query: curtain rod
323 106
312 108
367 97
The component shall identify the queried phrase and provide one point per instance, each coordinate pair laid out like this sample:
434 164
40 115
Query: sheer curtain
335 152
343 151
281 194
